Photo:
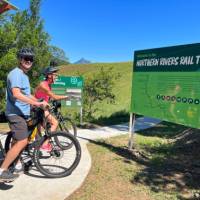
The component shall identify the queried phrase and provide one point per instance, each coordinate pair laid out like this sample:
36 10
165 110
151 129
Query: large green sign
166 84
70 86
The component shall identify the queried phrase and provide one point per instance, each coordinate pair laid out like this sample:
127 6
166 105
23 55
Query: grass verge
161 167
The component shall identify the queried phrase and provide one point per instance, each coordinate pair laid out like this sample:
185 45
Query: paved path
38 187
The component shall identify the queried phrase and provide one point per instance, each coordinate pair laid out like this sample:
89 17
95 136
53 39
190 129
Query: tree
25 29
58 56
30 28
7 54
98 88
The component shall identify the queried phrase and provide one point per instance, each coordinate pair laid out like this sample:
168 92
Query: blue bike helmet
49 70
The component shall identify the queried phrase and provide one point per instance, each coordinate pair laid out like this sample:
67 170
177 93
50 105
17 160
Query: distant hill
82 61
122 88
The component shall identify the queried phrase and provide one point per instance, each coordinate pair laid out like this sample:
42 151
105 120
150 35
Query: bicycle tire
68 126
71 158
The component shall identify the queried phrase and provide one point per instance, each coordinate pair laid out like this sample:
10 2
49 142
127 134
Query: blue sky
111 30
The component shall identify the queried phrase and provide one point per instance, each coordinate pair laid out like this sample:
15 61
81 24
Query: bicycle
64 123
57 163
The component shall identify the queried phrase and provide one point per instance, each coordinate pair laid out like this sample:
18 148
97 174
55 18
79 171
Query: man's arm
18 95
33 98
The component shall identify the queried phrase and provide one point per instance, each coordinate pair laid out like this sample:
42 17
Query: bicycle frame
56 112
59 117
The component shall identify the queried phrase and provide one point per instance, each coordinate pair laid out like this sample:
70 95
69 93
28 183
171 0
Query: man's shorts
18 127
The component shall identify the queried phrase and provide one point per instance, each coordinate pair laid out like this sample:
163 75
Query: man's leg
19 129
13 153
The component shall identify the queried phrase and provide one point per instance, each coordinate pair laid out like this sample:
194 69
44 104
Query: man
18 103
43 91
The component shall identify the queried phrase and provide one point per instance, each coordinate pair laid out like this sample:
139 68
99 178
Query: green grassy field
122 88
163 166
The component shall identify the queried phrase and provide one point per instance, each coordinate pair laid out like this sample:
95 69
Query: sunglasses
28 59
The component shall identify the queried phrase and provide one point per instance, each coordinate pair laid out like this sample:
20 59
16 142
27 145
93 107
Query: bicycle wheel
68 126
58 162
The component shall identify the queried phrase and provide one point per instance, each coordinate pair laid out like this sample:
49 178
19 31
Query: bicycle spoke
59 162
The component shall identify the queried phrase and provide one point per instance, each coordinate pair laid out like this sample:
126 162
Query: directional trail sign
70 86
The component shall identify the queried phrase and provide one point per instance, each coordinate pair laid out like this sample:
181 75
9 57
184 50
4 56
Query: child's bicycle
56 163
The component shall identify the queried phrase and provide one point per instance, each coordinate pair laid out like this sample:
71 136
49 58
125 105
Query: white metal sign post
131 131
